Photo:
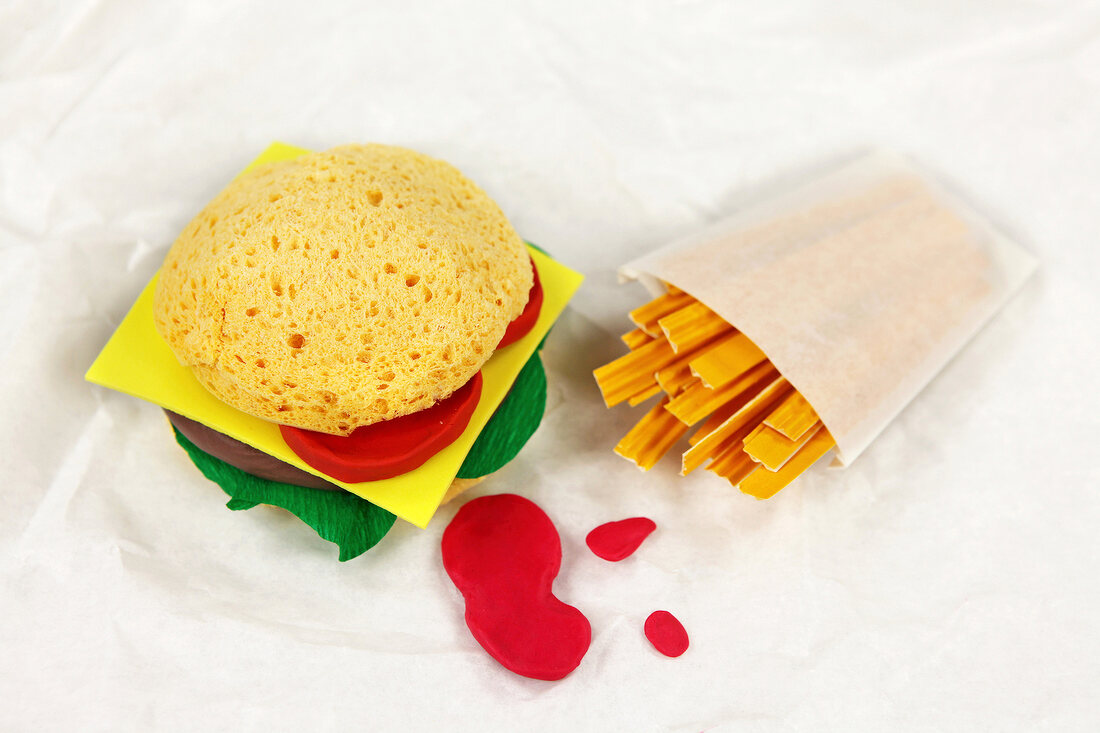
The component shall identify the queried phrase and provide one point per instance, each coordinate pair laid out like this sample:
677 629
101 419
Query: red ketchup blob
503 553
666 633
617 540
389 448
525 321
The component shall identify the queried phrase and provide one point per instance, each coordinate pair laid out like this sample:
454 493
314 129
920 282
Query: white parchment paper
859 286
943 582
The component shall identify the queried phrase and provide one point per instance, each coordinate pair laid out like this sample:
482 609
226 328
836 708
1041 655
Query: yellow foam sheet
137 361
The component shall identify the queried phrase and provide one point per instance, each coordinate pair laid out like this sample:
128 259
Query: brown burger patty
243 456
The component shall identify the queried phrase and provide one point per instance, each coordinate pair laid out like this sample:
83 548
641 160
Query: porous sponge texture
342 288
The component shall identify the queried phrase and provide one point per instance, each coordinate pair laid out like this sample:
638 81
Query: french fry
743 421
716 418
724 363
698 401
644 395
792 417
646 316
636 339
692 326
651 437
764 484
676 377
633 373
733 464
757 432
769 447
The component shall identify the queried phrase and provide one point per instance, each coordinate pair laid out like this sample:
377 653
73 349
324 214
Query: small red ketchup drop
666 633
617 540
502 552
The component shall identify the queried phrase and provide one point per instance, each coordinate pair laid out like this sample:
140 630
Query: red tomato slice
389 448
525 321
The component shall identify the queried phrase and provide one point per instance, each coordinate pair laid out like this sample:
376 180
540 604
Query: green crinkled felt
512 425
352 523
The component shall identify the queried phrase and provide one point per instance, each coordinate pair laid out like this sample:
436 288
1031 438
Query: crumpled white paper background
946 581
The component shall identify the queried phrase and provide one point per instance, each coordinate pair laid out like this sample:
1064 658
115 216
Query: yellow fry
646 316
633 372
644 395
636 339
716 418
764 484
677 375
651 437
692 326
725 363
792 417
733 464
736 427
697 401
771 448
673 379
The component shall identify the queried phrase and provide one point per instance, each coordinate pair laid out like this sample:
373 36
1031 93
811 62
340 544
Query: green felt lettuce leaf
512 425
514 421
352 523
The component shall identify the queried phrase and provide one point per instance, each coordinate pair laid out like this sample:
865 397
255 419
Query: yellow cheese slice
764 484
725 363
137 361
768 446
652 437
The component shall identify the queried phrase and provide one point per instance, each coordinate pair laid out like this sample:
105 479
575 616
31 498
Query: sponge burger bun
343 288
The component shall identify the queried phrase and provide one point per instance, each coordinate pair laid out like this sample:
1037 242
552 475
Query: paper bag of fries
805 323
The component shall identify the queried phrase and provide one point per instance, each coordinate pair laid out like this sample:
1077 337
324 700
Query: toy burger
363 320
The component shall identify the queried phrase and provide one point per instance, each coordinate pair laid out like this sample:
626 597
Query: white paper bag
859 286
